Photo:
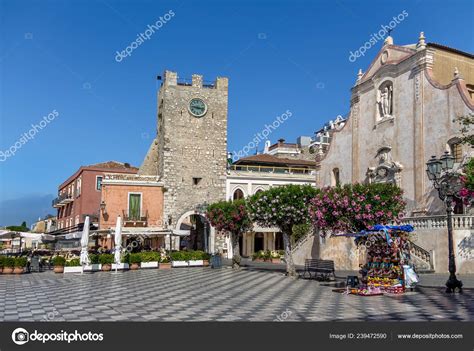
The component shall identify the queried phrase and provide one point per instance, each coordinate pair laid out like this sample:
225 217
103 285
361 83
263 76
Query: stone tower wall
188 147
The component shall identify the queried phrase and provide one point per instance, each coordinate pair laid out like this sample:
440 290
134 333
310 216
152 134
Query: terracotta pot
134 266
165 265
206 263
259 260
276 260
19 270
58 269
106 267
1 270
7 270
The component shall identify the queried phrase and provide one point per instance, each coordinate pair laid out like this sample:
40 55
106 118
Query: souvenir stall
388 265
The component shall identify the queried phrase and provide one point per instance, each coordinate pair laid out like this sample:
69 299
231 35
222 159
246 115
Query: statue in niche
384 100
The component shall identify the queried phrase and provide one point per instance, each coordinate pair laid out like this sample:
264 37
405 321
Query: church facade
403 111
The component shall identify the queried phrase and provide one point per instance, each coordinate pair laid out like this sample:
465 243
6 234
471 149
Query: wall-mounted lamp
103 208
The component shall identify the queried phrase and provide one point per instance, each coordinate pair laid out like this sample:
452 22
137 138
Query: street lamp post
448 183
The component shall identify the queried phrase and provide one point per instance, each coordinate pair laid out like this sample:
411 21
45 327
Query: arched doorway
194 232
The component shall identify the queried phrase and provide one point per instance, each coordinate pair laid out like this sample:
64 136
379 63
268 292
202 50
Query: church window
335 179
455 149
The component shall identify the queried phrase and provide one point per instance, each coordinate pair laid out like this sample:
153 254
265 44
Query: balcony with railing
273 170
131 220
62 200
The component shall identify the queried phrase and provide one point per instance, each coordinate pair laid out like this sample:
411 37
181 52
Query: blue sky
278 55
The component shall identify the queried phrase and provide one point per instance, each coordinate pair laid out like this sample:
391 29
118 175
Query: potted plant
106 261
20 264
205 259
164 263
8 265
179 259
150 259
94 264
134 260
2 262
73 266
258 256
276 257
58 262
267 256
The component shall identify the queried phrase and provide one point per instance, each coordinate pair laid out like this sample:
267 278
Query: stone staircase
421 259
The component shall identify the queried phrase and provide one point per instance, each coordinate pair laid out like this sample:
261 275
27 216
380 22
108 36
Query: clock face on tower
197 107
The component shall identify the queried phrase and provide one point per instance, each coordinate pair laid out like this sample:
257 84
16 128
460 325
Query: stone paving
204 294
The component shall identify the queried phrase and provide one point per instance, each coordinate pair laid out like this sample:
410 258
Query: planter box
119 266
276 260
92 267
75 269
153 264
179 263
194 263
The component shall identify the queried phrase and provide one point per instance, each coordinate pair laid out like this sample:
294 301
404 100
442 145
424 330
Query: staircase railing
421 254
301 241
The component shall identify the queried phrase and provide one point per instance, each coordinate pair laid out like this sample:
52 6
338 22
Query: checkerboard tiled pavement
201 294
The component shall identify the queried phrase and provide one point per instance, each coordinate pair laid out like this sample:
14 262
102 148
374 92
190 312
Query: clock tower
189 153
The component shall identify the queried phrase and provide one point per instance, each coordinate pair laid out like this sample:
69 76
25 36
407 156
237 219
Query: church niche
387 170
385 101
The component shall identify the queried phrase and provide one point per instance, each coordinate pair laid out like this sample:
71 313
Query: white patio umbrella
85 243
118 242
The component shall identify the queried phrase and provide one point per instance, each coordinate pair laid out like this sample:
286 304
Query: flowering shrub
467 191
231 217
353 208
282 207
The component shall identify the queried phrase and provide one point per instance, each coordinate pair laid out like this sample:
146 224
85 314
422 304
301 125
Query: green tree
231 217
19 228
466 126
282 207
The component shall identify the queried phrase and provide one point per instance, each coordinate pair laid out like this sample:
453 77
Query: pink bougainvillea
352 208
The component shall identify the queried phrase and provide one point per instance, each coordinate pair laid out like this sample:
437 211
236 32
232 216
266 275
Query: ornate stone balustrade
440 222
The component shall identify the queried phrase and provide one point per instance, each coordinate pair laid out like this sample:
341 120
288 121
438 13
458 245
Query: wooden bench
322 269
